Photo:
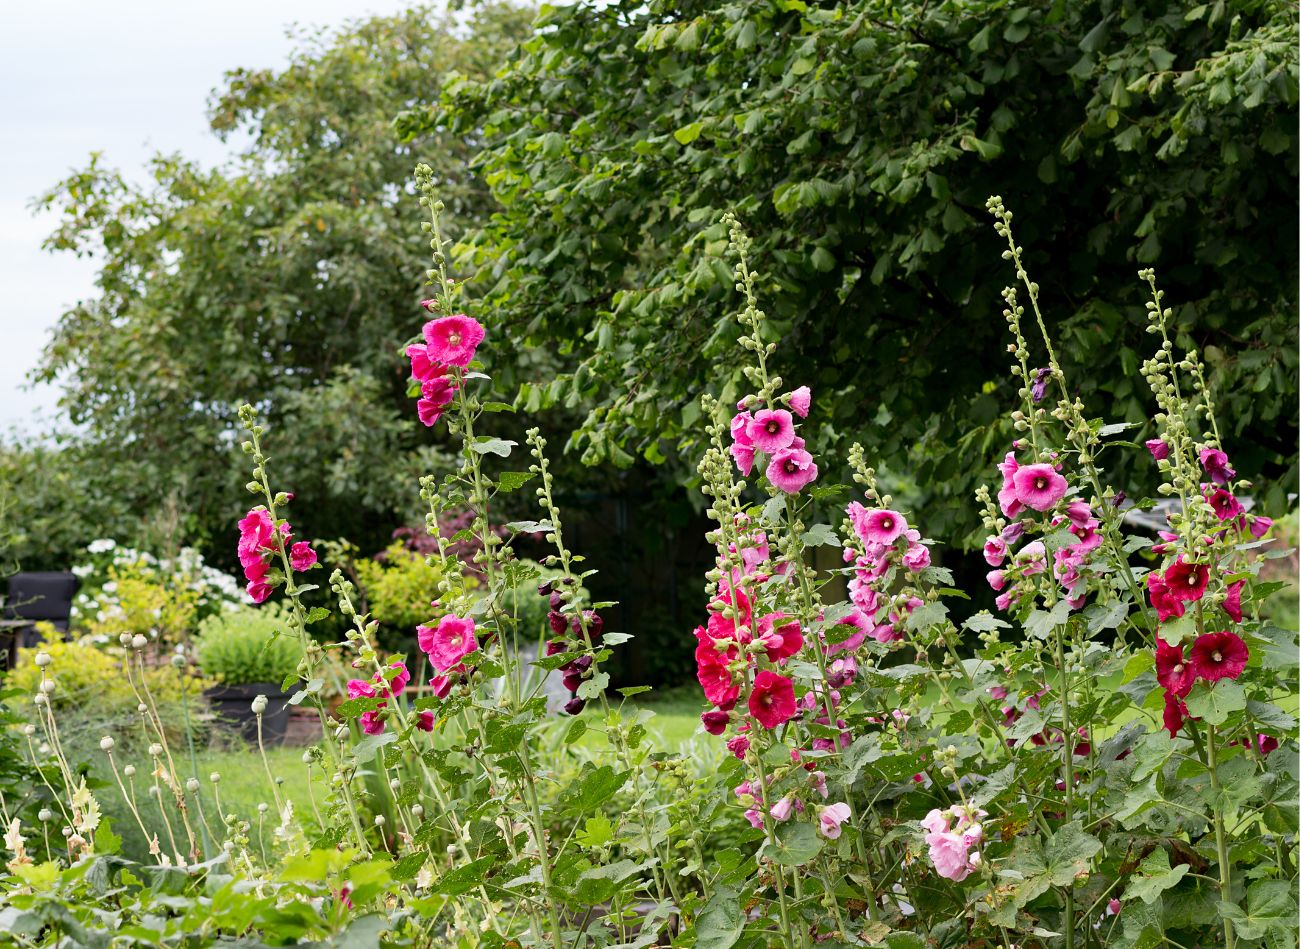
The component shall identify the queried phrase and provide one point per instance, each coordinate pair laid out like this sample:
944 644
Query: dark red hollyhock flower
1172 671
555 646
1267 743
1232 602
1162 601
1175 714
575 705
1187 581
1218 656
559 622
715 722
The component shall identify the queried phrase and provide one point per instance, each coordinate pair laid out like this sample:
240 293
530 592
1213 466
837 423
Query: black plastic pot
233 707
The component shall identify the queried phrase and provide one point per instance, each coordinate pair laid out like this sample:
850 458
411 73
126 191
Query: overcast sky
125 77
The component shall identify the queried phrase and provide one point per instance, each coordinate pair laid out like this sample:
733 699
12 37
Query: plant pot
232 706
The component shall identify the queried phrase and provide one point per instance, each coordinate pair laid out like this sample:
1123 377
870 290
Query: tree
287 278
858 141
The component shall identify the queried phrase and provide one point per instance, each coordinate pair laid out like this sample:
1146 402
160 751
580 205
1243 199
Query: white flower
101 546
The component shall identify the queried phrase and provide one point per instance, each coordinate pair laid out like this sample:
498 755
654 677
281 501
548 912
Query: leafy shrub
399 586
248 645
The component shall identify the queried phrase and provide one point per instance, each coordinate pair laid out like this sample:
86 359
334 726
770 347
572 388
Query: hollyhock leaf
927 615
593 787
367 747
820 535
289 680
599 884
530 527
1214 703
1270 717
899 940
355 708
771 514
1114 428
984 622
485 445
615 639
577 728
498 407
1270 911
465 877
721 921
1029 724
628 691
1179 629
408 866
593 687
941 576
1276 648
1137 664
1068 853
1137 542
1040 623
1101 616
597 832
797 842
317 614
1157 876
993 786
513 480
1058 540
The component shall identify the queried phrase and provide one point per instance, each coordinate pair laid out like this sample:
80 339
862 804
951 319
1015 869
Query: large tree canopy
859 141
288 279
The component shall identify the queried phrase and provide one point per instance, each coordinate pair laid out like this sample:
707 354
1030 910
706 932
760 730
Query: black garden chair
44 597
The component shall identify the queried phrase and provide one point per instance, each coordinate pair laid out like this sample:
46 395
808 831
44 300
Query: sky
127 78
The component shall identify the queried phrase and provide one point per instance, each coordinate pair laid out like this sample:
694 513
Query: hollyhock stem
1220 835
1067 769
768 823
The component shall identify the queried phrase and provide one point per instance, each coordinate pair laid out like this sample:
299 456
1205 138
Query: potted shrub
249 653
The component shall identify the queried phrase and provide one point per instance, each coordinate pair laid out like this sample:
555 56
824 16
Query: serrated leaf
513 480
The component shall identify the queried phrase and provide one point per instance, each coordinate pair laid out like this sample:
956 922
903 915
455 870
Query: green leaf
1214 702
688 133
820 535
984 622
592 788
597 832
368 747
409 866
797 842
1040 623
514 480
721 921
1156 877
106 842
486 445
465 877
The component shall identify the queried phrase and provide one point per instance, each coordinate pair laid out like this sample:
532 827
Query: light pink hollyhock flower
791 470
435 396
301 556
1039 486
886 633
451 641
1007 499
997 579
781 809
936 822
755 818
739 746
1032 557
771 430
830 819
883 526
424 721
453 339
950 856
917 557
1159 448
771 701
1004 600
801 401
995 551
742 449
1215 463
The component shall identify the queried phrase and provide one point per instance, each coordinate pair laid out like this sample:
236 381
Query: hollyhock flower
1032 557
1187 581
742 448
997 579
449 642
716 681
995 551
424 721
755 818
1162 601
950 855
1232 602
1039 486
453 339
441 685
1215 463
791 470
1079 512
1259 526
1008 500
1225 505
1005 600
1175 714
1218 656
739 746
885 633
1159 448
1267 744
781 809
258 590
435 396
397 683
1038 388
574 706
256 530
715 721
1089 537
831 817
998 692
1169 538
1012 533
360 688
861 623
301 556
801 401
1172 671
780 636
917 557
423 367
372 723
883 527
772 700
771 430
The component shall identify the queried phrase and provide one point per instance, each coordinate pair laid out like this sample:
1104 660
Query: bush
247 646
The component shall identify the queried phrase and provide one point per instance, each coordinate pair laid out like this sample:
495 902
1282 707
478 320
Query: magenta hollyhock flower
742 448
882 526
801 401
1039 486
1079 513
1215 463
453 339
372 723
301 556
1187 581
715 721
1259 526
423 368
1162 601
441 685
780 636
258 590
397 683
1007 498
424 721
256 531
771 701
435 396
1267 743
449 642
739 747
1159 448
1218 656
791 470
831 817
1232 601
917 557
360 688
771 430
1175 714
995 551
718 685
1089 537
1225 505
1172 671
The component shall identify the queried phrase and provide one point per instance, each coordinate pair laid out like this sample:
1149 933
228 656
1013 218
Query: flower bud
178 662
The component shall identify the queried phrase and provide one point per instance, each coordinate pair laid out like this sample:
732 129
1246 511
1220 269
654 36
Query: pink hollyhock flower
1175 714
715 721
1003 601
801 401
781 809
1232 602
424 721
256 531
1079 513
372 723
1218 656
453 339
739 746
995 551
1159 448
1089 538
950 856
831 817
301 556
862 624
423 368
1226 506
397 683
449 642
772 700
742 448
1008 500
441 685
998 692
435 396
1032 557
1039 486
780 636
360 688
1259 526
718 686
1172 671
755 818
882 526
1187 581
771 430
917 557
1215 463
1162 601
936 822
886 633
791 470
997 579
258 590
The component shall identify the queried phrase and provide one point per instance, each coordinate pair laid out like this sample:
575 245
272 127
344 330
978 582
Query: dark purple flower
1038 388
